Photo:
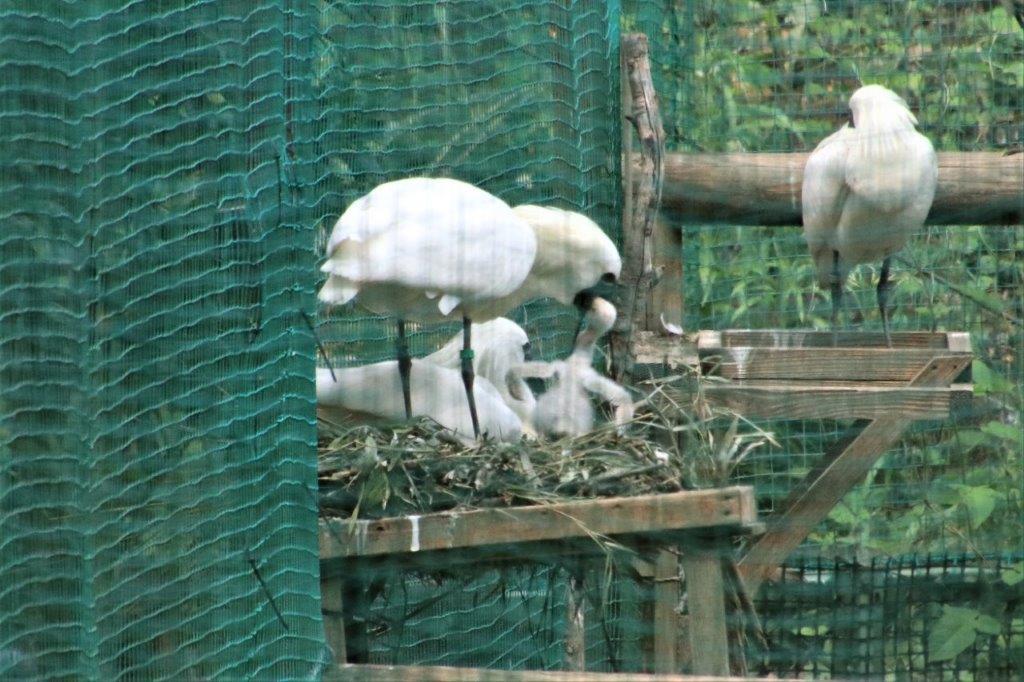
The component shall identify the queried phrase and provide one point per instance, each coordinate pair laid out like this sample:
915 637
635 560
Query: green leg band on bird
467 354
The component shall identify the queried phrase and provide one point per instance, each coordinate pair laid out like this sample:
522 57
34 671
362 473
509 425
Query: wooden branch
764 189
637 275
726 509
399 673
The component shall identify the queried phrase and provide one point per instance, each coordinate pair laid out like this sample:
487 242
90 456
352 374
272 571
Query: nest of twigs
392 470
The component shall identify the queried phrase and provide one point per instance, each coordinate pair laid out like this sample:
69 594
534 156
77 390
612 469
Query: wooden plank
653 348
725 508
332 608
836 401
803 364
975 188
798 338
838 471
665 621
705 593
385 673
667 297
575 623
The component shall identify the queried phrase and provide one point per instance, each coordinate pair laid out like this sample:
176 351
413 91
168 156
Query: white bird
423 249
373 393
866 189
500 345
565 408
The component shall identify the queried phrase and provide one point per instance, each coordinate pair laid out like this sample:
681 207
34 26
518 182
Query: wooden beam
665 619
809 400
805 338
386 673
705 594
575 622
764 188
720 508
332 608
839 470
819 364
644 198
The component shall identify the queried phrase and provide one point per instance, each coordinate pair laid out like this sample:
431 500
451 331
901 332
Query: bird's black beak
849 119
607 288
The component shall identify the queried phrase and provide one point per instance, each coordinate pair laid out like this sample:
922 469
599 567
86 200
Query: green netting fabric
517 98
157 461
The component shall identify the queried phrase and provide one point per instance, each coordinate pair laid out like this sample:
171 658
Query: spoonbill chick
565 408
866 189
500 345
373 394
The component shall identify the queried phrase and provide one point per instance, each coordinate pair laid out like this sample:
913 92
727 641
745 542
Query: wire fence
173 171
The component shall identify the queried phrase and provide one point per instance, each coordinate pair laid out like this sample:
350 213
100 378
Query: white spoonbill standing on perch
423 248
565 408
867 188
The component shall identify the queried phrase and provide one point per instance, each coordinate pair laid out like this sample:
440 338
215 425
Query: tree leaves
955 631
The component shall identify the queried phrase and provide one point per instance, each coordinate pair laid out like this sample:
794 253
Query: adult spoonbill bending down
565 408
423 249
866 189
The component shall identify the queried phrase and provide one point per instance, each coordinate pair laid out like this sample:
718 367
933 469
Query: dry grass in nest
381 471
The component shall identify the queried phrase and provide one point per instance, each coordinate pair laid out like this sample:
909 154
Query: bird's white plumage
866 189
499 345
565 408
374 393
419 247
573 253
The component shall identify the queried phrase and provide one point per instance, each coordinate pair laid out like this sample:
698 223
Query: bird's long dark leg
467 373
884 285
837 297
404 367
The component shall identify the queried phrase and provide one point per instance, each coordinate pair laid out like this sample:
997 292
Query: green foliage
956 630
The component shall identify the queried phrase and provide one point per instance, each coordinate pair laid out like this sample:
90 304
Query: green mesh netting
172 171
774 77
512 97
157 464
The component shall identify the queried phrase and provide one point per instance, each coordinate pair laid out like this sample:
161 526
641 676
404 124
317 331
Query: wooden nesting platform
696 528
814 375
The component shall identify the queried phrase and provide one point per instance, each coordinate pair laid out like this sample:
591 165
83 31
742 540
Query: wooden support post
333 611
575 623
705 593
665 617
637 240
839 470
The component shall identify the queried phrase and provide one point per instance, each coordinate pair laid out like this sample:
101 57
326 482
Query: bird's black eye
608 277
527 350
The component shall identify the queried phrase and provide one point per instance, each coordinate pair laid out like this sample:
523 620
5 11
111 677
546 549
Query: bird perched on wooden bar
866 189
